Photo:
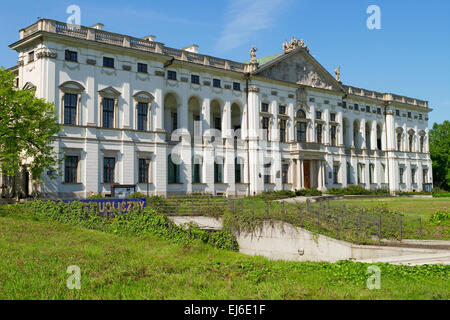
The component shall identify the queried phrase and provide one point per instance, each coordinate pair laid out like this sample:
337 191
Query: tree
27 128
440 154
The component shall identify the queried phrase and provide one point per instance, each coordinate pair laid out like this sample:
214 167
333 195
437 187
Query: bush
308 193
276 195
439 193
137 195
357 190
96 196
440 218
136 222
417 193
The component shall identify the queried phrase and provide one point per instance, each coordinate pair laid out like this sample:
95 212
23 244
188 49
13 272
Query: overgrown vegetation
135 222
35 254
357 190
440 154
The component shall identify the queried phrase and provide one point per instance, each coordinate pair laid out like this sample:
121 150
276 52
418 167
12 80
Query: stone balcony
92 34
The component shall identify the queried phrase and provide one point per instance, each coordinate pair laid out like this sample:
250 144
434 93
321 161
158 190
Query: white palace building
165 121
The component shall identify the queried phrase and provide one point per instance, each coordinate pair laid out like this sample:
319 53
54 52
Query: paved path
415 260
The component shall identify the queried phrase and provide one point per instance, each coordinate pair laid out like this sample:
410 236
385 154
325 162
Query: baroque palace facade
138 113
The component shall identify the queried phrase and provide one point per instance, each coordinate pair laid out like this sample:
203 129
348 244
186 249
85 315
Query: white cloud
245 18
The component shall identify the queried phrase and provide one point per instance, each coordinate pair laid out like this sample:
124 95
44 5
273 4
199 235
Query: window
285 173
371 173
144 169
409 115
236 86
238 170
171 75
420 117
174 116
383 173
333 136
349 171
142 68
318 115
109 166
282 130
333 117
319 133
421 142
195 79
378 110
282 109
108 113
401 174
344 104
267 175
301 114
265 128
425 175
31 56
397 113
196 170
71 169
218 124
173 171
336 174
71 56
264 107
367 108
108 62
218 171
361 169
301 132
413 175
356 107
216 83
70 108
142 114
399 142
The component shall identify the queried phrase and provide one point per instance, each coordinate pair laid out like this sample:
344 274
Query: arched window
411 141
301 114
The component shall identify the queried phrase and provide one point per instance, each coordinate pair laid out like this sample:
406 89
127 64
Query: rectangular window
378 110
171 75
236 86
285 173
425 175
216 83
109 166
173 171
367 108
420 117
336 174
397 113
196 169
218 172
108 113
356 107
371 173
318 115
282 110
399 141
71 56
264 107
238 169
301 132
383 173
71 169
282 130
142 113
70 109
218 123
401 173
108 62
31 56
267 175
195 79
142 68
344 104
265 127
144 171
409 115
349 172
319 133
174 117
333 136
333 117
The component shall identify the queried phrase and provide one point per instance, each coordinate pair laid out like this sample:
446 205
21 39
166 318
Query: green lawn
34 256
412 207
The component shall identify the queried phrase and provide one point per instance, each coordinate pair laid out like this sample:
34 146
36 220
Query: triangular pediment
299 67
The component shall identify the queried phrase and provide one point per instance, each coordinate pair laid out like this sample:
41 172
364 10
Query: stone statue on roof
294 44
253 54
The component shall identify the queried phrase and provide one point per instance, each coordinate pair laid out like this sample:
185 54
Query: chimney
150 38
193 48
98 26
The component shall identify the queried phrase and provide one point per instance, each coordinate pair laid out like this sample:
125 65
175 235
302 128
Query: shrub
276 195
96 196
136 195
440 217
439 193
357 190
308 193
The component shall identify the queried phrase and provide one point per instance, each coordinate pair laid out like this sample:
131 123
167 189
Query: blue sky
409 56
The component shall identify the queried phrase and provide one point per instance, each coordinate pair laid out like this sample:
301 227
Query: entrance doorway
307 174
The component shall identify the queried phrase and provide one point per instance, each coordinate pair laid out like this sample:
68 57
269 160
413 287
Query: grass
34 256
410 207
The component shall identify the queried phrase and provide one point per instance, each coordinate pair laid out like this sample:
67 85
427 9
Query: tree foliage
27 125
440 154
